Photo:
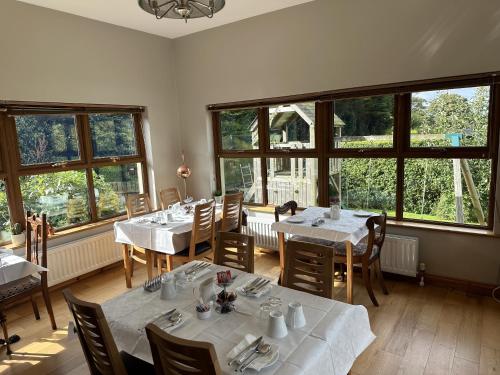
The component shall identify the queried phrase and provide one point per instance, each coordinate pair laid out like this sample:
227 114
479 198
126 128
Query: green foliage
235 129
112 135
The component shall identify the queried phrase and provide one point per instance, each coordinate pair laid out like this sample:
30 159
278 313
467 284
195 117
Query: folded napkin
262 361
259 294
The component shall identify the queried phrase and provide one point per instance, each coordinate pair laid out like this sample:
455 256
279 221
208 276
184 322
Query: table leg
149 263
126 265
348 247
281 248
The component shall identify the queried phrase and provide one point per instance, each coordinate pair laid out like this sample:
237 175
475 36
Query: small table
335 333
169 238
13 268
349 229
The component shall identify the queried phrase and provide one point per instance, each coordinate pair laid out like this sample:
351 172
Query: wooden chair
309 268
169 197
367 254
202 237
282 210
235 250
173 355
231 213
138 205
97 341
36 252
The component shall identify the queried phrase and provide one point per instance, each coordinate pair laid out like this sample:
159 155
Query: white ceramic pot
18 239
218 199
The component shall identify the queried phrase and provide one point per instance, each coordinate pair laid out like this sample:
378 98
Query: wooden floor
426 330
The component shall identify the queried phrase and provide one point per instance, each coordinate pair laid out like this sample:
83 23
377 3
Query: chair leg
170 263
149 263
380 276
48 304
35 308
3 322
127 265
368 284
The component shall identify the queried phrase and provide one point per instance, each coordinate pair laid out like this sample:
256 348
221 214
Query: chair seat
317 241
200 248
136 365
19 286
357 250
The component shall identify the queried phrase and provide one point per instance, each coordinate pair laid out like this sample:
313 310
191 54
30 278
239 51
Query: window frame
401 150
11 168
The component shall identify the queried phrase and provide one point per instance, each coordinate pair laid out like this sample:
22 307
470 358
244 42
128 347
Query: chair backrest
376 236
281 210
231 212
309 268
235 250
203 225
36 241
173 355
138 204
169 197
95 337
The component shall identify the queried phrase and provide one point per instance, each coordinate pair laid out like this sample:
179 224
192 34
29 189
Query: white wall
53 56
331 44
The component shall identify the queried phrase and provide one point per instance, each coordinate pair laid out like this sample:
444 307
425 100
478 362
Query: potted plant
18 235
218 196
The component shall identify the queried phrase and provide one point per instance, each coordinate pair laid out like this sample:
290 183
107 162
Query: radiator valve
421 268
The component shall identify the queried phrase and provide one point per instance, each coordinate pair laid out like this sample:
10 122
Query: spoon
174 319
262 349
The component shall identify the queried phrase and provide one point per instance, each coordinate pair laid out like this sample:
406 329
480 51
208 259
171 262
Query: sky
429 95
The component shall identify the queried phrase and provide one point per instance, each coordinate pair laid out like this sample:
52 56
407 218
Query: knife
259 288
253 345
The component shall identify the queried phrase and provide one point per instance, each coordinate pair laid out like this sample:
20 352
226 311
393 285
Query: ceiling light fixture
182 9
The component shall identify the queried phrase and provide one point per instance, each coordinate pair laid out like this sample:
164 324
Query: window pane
292 179
4 215
447 190
364 122
62 196
242 174
112 186
364 184
450 118
239 129
47 139
113 135
292 126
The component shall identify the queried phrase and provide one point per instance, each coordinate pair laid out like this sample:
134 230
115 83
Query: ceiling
128 14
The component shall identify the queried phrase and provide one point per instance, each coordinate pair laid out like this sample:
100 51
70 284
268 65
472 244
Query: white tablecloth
169 239
13 267
334 336
347 228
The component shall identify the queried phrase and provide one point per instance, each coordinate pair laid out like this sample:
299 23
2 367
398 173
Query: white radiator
399 254
76 258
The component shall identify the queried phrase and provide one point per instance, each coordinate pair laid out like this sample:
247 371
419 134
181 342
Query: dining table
334 335
12 269
349 228
154 232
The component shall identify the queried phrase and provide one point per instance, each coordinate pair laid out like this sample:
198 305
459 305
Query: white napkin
261 361
259 294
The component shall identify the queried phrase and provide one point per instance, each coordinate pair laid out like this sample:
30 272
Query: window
292 126
63 196
363 122
78 166
47 139
425 151
242 174
363 184
239 129
4 215
113 184
292 179
450 118
112 135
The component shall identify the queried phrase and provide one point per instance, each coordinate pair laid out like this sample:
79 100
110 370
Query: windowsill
74 230
406 224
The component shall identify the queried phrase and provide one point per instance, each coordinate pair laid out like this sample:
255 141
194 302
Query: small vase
18 239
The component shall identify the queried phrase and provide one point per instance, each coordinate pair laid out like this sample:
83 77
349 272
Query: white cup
295 317
277 327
